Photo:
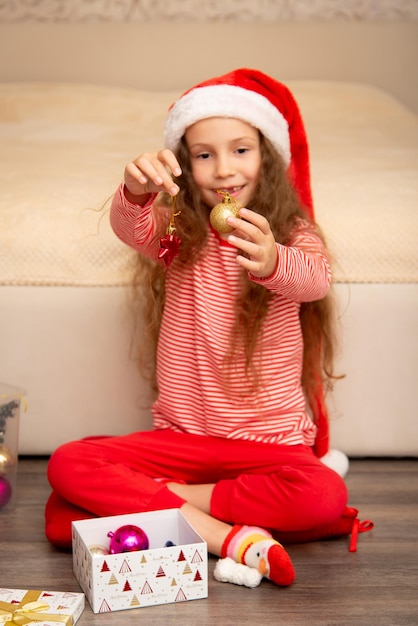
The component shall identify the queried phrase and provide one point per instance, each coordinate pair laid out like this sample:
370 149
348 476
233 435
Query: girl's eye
203 155
242 150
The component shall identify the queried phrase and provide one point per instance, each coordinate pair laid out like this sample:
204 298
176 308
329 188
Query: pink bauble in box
128 538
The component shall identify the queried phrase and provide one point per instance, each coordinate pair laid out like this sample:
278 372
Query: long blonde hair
276 199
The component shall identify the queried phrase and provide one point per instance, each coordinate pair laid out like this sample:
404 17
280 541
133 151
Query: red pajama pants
279 487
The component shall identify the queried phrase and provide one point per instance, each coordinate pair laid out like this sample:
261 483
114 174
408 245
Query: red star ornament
169 248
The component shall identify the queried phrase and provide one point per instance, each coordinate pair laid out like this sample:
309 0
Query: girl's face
224 154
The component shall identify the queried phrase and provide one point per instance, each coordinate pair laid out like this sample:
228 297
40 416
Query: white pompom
336 460
228 571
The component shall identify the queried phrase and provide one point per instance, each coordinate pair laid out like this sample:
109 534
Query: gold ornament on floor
229 207
7 460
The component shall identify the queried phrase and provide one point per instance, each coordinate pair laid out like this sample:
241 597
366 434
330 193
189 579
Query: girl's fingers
134 171
154 171
168 158
159 164
250 225
253 237
257 220
244 245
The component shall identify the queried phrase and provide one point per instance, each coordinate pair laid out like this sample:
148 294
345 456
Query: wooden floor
377 585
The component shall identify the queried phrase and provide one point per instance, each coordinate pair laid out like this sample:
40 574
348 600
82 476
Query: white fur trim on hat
227 101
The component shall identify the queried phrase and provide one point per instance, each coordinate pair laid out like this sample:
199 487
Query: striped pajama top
195 330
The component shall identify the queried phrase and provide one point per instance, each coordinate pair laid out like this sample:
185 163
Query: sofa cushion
63 148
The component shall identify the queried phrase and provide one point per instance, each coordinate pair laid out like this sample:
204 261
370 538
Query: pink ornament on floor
5 491
128 538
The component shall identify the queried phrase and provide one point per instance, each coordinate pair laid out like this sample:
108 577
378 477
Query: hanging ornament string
170 243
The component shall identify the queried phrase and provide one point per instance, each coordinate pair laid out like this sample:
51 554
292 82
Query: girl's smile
225 155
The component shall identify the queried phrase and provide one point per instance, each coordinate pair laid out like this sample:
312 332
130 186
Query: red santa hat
257 99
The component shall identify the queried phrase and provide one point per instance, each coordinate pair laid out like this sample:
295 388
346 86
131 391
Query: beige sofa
64 329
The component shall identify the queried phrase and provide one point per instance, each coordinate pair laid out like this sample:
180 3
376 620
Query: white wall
162 55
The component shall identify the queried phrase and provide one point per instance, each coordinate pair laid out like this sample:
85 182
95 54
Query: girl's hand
252 235
152 172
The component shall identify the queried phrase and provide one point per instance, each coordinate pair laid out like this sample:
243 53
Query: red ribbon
359 527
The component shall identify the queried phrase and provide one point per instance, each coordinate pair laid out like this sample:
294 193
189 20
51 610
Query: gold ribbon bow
30 610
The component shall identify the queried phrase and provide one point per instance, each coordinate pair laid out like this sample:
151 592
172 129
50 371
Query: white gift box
35 605
158 575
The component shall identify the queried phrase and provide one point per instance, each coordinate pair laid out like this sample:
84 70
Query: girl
242 329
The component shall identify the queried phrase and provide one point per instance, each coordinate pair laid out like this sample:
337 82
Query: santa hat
257 99
269 106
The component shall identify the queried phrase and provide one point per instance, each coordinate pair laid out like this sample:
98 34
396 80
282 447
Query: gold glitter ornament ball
220 213
7 460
